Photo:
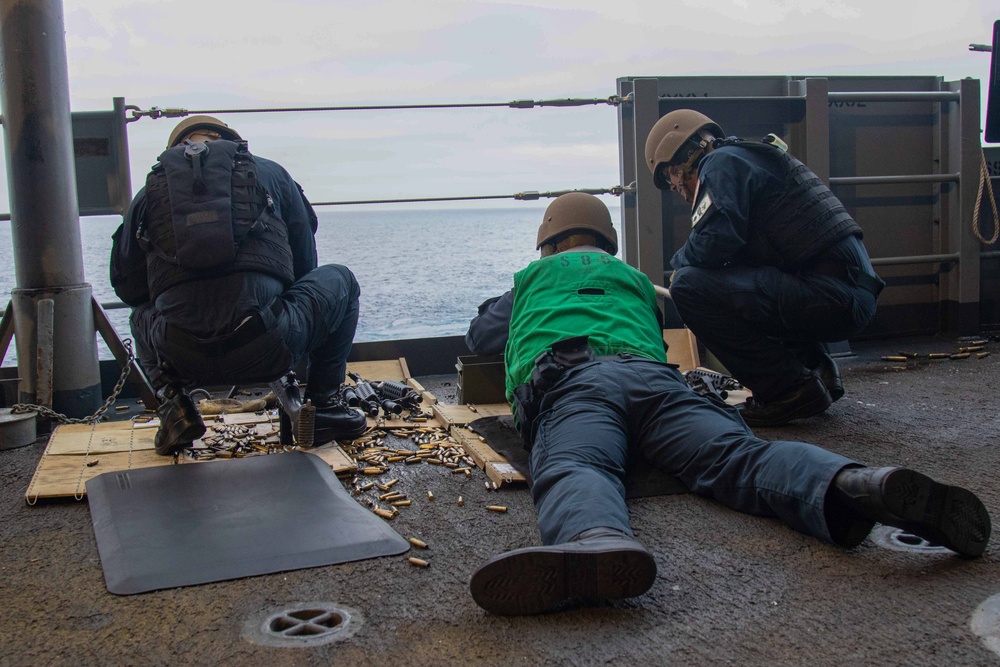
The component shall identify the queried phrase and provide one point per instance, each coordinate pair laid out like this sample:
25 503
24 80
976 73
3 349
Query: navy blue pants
598 410
766 325
317 316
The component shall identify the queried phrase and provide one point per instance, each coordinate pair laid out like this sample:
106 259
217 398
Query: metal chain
987 185
94 418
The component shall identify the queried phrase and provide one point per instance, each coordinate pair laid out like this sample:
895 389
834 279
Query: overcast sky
221 54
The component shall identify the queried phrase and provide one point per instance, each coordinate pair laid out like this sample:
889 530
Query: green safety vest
576 293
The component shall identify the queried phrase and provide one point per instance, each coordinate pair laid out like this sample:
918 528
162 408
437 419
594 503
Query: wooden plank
334 456
67 476
103 438
76 453
494 465
682 349
378 370
463 414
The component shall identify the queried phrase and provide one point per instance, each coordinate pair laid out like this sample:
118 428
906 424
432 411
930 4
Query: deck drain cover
985 623
901 540
307 624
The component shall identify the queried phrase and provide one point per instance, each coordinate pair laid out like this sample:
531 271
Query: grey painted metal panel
897 150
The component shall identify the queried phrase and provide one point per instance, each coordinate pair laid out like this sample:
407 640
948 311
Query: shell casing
392 495
496 508
460 501
413 459
971 348
393 459
419 562
960 355
418 543
430 495
401 503
909 355
894 358
455 471
373 471
981 355
938 355
385 514
435 461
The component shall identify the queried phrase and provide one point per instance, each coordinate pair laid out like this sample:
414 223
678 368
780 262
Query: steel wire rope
157 112
530 195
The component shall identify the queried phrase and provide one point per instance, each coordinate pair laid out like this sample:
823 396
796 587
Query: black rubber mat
191 524
641 478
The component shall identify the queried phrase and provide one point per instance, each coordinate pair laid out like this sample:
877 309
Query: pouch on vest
549 367
199 180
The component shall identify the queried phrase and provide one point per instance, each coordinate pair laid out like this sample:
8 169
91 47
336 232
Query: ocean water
422 272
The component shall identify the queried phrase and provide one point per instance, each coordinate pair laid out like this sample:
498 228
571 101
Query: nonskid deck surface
729 588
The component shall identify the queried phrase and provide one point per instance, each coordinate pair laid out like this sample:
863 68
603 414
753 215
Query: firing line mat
171 526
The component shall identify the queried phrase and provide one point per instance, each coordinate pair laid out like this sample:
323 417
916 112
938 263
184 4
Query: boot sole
948 516
815 407
535 580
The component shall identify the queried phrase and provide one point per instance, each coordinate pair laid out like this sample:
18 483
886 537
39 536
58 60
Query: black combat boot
334 420
597 564
805 399
286 392
180 422
948 516
826 368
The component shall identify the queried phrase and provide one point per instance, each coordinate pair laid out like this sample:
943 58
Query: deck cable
157 112
530 195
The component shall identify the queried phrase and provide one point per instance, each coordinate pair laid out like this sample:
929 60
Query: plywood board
78 452
463 414
494 465
393 369
682 349
66 475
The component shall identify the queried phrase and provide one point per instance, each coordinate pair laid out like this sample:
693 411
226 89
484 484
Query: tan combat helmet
577 211
670 134
189 125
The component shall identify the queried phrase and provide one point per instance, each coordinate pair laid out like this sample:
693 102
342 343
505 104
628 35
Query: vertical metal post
124 175
963 155
45 226
648 199
816 128
627 173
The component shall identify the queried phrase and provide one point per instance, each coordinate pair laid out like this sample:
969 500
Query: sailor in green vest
589 383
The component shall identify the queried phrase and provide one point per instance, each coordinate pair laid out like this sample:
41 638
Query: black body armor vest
207 216
796 225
